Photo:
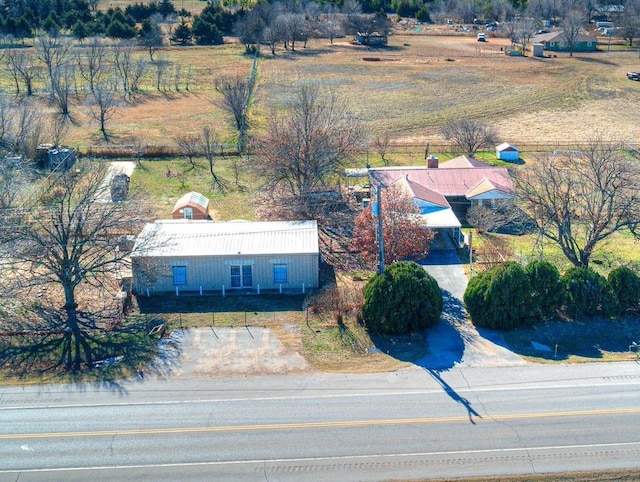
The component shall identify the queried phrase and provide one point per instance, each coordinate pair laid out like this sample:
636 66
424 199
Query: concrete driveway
218 352
455 341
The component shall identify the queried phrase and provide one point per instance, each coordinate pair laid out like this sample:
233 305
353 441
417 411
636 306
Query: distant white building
203 256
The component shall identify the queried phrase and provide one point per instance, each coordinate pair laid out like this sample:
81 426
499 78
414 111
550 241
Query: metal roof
448 182
193 199
173 238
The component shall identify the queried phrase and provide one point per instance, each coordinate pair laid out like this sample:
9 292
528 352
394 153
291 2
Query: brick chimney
432 162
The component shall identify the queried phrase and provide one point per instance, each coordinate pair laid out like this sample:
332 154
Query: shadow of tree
35 349
562 339
444 344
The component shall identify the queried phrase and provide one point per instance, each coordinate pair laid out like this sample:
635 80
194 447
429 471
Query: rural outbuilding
192 205
247 257
507 152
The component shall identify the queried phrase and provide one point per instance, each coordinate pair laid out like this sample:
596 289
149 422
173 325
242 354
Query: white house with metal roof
203 256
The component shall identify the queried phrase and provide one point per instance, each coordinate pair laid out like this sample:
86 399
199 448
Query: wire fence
156 151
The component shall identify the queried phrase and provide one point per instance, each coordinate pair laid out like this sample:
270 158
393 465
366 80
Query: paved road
415 423
455 341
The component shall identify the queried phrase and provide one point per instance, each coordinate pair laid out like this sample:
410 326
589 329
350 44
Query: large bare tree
572 26
103 104
309 141
62 250
54 52
19 64
92 60
579 198
236 92
469 136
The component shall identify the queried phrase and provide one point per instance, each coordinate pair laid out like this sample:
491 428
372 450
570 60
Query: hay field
409 90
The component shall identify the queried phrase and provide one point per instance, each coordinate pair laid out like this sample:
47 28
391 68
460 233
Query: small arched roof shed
192 205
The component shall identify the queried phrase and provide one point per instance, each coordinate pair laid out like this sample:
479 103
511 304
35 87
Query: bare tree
20 66
630 21
572 26
177 77
330 27
6 121
581 197
63 80
366 25
27 128
92 61
151 34
161 67
14 181
309 141
54 53
236 95
104 102
522 31
208 146
546 9
124 63
381 144
57 128
130 70
67 246
271 36
295 27
189 147
468 136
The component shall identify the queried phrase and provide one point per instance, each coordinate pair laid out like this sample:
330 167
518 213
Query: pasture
407 90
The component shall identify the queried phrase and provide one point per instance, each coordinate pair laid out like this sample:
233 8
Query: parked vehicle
482 37
633 76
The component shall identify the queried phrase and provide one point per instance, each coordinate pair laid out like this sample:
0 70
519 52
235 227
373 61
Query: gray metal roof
173 238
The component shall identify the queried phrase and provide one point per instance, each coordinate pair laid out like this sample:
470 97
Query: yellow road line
307 425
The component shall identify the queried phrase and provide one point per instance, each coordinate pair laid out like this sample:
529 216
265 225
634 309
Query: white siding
211 273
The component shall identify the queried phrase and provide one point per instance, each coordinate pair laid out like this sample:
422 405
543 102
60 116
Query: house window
279 273
187 213
179 275
241 275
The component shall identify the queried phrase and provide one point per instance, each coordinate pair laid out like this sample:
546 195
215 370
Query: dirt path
115 168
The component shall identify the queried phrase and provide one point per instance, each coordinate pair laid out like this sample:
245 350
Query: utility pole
380 230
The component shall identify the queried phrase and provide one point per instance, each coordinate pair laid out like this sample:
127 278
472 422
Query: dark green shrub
625 284
547 294
500 299
587 293
474 298
403 299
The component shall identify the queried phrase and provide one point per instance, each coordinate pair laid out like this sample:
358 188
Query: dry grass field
409 90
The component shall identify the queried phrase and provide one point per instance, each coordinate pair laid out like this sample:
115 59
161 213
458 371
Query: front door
241 275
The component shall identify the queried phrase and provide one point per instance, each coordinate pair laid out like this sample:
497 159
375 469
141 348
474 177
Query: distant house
445 193
507 152
557 42
192 205
199 256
